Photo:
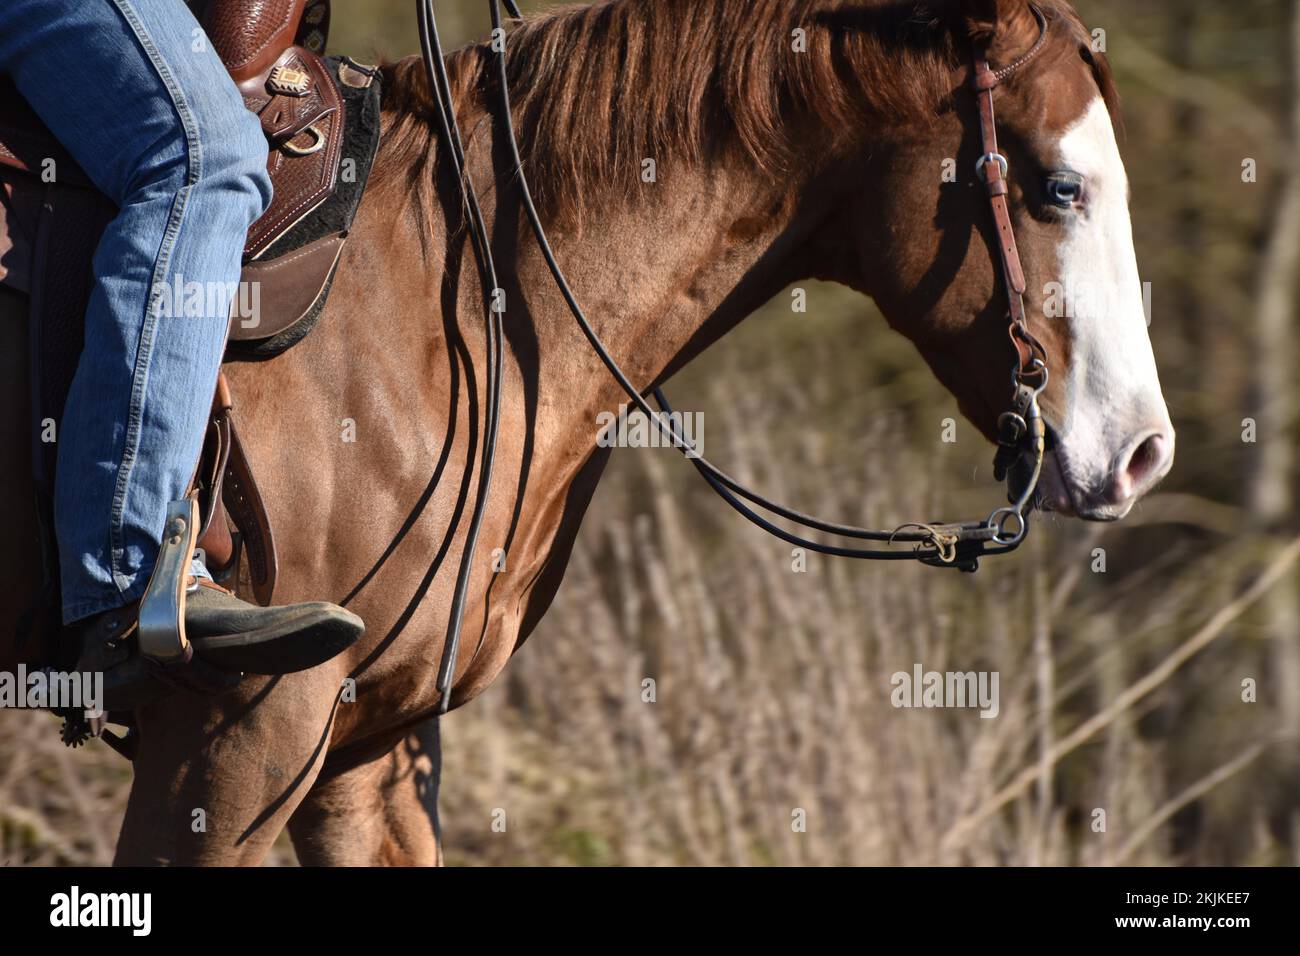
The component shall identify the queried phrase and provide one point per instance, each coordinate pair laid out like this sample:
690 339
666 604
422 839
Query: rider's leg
135 92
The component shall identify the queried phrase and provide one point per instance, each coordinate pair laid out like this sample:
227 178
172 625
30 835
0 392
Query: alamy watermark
178 298
45 689
632 428
922 688
1085 299
75 908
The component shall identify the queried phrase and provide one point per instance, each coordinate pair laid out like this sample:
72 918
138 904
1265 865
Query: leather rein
1022 432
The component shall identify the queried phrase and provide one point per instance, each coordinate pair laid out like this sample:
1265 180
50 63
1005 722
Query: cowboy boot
235 636
228 637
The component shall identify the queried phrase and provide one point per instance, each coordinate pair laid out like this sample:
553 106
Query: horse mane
597 88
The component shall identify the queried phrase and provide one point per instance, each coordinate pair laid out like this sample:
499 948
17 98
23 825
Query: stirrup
161 636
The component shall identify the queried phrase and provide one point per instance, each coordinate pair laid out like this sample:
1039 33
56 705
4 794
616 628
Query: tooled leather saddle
321 120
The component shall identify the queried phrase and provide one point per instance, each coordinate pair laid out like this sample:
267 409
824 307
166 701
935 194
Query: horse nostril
1146 462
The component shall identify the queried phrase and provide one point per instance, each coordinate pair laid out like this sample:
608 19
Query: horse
797 139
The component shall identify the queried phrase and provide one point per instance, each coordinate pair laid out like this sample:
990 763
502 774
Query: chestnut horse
792 139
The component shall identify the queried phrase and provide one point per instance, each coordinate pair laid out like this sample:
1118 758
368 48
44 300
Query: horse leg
380 813
216 780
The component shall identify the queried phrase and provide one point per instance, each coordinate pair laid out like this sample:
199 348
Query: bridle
1022 431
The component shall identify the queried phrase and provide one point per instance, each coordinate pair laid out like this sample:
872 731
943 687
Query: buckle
991 157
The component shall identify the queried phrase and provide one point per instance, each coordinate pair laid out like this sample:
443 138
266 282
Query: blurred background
1128 730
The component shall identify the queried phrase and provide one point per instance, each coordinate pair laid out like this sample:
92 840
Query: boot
235 636
228 637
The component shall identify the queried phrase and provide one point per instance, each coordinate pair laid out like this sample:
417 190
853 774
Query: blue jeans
133 89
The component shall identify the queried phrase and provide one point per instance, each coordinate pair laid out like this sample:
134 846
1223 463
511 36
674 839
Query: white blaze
1113 390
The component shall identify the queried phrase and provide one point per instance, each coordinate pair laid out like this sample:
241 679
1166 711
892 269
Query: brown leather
285 113
225 474
217 543
294 124
249 35
290 285
243 501
985 82
214 532
997 185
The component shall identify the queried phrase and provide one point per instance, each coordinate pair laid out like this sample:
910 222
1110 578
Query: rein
1022 431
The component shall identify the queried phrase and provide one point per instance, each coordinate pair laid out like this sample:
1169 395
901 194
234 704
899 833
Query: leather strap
233 491
214 533
243 501
992 167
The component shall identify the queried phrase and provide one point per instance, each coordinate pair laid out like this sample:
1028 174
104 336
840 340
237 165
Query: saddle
321 120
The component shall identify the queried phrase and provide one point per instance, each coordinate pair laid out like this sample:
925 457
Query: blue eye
1064 189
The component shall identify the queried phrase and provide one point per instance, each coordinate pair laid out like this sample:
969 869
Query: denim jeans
135 92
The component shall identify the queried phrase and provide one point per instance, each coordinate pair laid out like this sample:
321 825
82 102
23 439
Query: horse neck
664 277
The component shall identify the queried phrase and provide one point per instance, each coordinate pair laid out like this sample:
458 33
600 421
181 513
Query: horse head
928 252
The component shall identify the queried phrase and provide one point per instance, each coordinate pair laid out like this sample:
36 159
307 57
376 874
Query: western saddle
321 120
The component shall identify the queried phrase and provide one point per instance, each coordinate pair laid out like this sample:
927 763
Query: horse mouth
1061 493
1051 493
1055 492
